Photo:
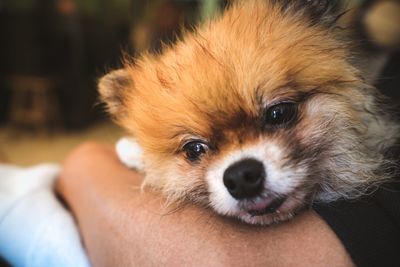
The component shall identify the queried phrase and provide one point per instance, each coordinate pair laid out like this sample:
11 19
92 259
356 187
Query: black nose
245 178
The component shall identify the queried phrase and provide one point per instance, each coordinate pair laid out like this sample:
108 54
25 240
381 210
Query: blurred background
53 51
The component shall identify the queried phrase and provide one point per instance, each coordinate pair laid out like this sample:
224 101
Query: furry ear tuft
112 88
325 12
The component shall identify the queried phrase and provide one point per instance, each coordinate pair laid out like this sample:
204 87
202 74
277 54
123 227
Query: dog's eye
281 114
194 150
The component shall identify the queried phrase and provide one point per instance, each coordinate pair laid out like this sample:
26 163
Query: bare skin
2 158
122 226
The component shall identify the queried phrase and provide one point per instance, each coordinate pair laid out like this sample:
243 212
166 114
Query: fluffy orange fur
219 68
216 81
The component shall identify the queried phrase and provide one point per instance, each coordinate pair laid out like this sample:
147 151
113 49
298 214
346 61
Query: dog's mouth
266 207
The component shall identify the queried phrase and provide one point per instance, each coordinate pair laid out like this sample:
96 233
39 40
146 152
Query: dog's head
255 113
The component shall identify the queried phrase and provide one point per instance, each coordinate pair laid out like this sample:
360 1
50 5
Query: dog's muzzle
245 179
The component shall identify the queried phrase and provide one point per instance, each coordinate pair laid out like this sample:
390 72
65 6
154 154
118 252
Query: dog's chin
269 212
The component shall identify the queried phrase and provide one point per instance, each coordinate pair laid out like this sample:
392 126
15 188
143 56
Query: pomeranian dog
256 114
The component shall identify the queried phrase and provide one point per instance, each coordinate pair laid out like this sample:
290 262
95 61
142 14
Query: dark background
72 43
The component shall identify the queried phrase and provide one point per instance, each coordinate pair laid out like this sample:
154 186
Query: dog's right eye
281 114
194 150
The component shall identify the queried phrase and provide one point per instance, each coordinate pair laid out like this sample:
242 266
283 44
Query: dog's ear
113 89
323 12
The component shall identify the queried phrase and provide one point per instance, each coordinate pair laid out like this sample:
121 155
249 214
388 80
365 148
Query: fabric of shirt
369 228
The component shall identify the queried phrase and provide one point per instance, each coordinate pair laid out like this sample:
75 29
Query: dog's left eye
194 150
281 114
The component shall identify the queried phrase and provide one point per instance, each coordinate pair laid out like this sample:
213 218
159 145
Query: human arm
2 158
123 227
